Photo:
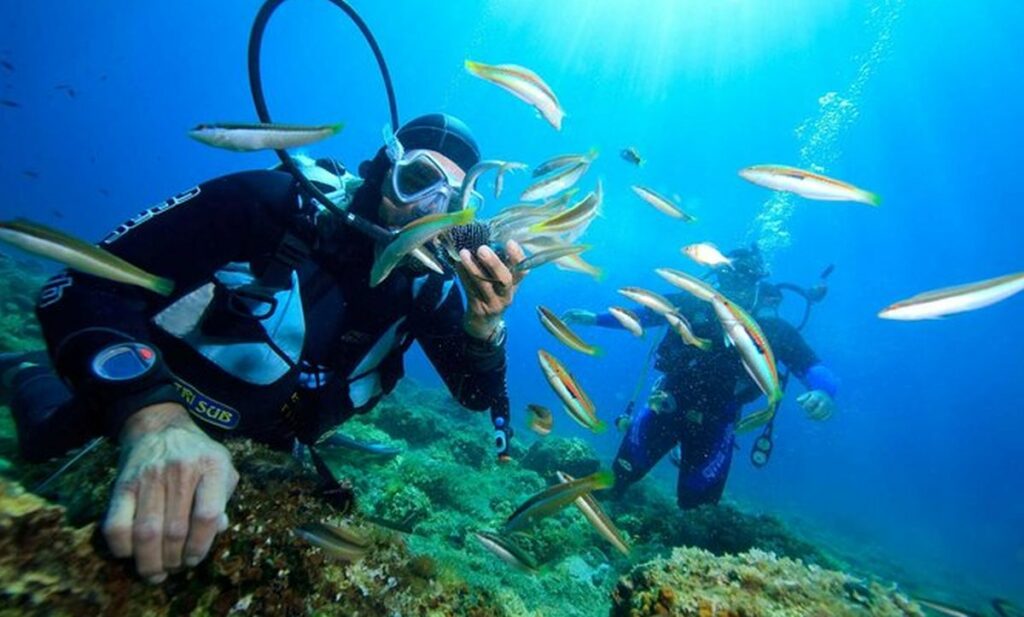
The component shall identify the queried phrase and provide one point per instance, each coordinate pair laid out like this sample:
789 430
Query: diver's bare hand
486 300
172 488
818 404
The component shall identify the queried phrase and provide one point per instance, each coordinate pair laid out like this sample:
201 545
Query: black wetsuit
705 392
255 272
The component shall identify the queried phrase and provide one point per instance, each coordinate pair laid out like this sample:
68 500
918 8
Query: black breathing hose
256 85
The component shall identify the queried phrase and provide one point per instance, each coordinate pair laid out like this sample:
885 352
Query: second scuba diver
274 333
696 402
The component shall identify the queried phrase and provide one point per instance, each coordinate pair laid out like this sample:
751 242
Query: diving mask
420 180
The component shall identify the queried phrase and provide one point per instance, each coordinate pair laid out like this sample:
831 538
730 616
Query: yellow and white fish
525 85
628 319
577 403
558 180
76 254
654 301
706 254
682 327
662 204
959 299
684 281
807 184
259 136
756 355
597 516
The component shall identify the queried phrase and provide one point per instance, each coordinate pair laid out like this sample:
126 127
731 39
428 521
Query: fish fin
163 286
756 420
727 341
872 199
604 479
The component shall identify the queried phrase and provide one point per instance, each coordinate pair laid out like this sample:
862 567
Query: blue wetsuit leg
707 450
650 437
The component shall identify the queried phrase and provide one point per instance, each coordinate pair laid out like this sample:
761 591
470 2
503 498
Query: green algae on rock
695 583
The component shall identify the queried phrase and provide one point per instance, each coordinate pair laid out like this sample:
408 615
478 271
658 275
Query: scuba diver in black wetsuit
273 332
696 402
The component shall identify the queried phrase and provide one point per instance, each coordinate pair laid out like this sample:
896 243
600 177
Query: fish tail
604 479
599 427
596 352
476 68
757 419
593 152
872 199
337 127
703 344
162 286
598 274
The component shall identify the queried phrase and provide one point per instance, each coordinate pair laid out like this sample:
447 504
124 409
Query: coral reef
695 583
420 508
48 567
573 456
19 284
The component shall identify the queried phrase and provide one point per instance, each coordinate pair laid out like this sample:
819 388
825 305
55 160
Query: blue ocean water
919 102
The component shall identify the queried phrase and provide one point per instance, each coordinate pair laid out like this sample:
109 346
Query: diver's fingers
516 255
148 531
208 513
181 487
471 275
481 290
117 528
493 263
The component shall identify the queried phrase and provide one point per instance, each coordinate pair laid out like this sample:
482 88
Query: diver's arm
173 481
821 383
473 369
185 239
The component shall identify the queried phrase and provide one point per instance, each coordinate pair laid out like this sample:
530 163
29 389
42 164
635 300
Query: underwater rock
48 567
19 285
573 456
695 583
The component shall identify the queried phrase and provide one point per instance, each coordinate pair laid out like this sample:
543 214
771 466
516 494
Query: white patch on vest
251 361
362 390
446 289
378 352
417 286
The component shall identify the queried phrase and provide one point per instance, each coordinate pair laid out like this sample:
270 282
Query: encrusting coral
695 583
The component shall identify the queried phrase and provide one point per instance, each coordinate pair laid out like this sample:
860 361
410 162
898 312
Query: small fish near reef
506 550
525 85
541 419
577 403
630 155
336 541
807 184
564 334
554 498
253 137
597 517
